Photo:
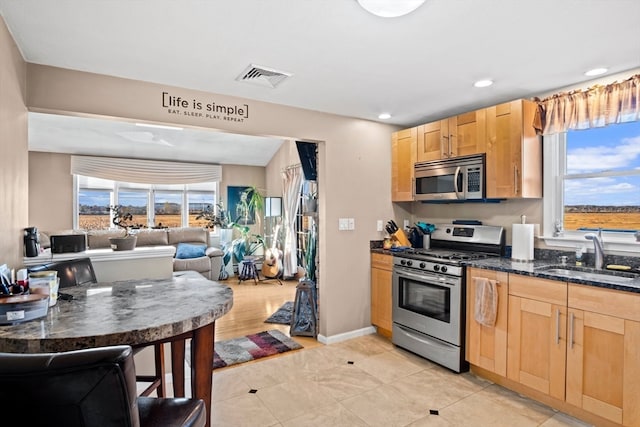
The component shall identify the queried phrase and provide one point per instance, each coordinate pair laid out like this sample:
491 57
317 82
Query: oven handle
440 281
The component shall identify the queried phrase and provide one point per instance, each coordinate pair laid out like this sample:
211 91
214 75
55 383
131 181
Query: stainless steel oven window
427 299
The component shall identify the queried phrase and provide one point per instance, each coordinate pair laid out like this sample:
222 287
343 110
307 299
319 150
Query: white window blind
145 171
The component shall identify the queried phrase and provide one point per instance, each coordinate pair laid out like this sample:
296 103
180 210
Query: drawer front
625 305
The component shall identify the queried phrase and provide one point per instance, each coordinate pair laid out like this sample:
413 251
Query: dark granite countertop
539 268
133 312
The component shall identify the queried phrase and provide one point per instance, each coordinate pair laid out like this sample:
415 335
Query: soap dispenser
579 252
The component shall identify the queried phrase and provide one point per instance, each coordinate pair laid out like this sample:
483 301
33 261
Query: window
592 180
173 205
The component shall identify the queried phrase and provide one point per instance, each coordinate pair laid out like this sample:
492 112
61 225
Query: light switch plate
379 225
343 224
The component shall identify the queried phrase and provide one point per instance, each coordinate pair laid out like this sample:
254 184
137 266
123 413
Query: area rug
251 347
282 315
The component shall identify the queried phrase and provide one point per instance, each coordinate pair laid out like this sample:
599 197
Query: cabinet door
403 159
486 346
381 279
470 134
603 361
514 151
537 334
433 141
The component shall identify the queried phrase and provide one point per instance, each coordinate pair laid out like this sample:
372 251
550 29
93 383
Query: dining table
138 313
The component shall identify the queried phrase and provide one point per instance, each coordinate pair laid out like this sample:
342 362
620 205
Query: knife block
401 238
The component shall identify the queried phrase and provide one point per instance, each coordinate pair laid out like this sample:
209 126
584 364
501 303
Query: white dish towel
486 303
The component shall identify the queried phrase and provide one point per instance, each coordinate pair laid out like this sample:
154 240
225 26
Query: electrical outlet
379 225
352 223
406 224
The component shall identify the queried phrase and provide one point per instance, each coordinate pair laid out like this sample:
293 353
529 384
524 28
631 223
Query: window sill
612 242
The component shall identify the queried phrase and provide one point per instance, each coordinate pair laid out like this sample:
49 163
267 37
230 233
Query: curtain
291 187
145 171
594 107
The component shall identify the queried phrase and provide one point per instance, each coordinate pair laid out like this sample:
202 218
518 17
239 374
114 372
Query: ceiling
342 60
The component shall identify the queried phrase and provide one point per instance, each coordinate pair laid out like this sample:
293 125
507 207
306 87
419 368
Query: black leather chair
71 273
87 388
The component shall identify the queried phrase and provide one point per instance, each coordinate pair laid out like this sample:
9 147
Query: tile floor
366 381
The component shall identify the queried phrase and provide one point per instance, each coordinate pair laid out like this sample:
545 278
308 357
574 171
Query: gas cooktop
443 254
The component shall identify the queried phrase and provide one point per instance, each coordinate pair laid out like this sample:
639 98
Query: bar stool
304 319
249 270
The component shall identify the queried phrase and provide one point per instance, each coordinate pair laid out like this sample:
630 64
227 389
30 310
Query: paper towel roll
522 242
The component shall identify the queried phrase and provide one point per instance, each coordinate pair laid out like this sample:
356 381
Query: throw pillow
187 250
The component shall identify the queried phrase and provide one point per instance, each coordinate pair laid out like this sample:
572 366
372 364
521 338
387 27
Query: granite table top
134 312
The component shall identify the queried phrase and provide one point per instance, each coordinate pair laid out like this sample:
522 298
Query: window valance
145 171
596 106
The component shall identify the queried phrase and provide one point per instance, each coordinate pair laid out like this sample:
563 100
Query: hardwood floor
253 304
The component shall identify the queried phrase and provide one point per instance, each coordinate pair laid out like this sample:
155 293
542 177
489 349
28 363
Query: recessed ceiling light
390 8
384 116
151 125
596 72
483 83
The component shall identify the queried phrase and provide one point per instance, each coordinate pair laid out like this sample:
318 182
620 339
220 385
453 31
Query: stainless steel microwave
457 178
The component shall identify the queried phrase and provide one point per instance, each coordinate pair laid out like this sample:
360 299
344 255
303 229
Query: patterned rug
255 346
282 315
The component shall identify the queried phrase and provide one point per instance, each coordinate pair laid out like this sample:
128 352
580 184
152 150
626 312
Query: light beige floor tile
388 366
564 420
293 399
228 384
437 389
332 415
359 348
246 410
346 381
482 409
521 404
385 407
433 421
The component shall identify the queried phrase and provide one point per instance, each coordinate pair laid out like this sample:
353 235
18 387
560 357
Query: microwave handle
459 194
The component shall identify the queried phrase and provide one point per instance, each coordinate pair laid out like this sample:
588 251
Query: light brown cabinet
536 336
460 135
381 281
514 151
574 343
486 346
603 360
403 158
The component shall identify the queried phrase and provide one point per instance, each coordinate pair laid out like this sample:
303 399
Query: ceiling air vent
263 76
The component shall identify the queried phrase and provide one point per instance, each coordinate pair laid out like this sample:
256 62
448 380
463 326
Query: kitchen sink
585 273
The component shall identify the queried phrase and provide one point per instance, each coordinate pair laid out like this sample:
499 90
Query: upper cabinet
460 135
503 132
403 157
514 151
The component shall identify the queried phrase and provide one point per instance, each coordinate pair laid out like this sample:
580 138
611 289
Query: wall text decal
206 110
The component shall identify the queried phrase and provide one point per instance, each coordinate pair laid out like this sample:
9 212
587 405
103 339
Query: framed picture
238 205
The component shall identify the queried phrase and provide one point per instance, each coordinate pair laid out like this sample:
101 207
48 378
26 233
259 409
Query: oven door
429 303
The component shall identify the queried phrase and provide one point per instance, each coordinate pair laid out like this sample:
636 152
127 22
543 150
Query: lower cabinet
487 347
603 356
579 345
537 340
381 278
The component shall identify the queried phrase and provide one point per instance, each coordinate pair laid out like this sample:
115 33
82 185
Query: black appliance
429 291
68 243
31 242
307 153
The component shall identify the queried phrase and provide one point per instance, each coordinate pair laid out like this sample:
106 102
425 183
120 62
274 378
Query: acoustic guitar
272 267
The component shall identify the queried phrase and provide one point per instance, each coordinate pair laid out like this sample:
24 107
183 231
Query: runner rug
282 315
251 347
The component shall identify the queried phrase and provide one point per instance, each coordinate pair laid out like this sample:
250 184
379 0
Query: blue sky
611 148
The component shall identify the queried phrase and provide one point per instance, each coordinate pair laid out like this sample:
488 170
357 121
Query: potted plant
247 244
310 202
124 220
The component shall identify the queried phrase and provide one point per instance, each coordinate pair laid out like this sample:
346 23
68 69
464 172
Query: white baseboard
346 335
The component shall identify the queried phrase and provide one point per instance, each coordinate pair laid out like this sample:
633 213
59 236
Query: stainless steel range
429 291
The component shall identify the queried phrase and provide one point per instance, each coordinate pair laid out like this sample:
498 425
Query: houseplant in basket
124 220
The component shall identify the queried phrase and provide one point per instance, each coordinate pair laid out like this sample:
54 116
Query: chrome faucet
597 248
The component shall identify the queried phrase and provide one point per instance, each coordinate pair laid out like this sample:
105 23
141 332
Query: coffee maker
31 242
